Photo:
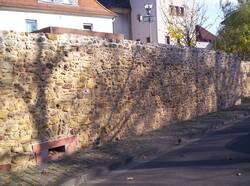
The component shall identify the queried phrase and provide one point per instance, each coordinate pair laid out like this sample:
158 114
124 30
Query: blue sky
214 14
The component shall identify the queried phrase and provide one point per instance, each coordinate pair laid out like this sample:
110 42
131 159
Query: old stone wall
97 90
245 65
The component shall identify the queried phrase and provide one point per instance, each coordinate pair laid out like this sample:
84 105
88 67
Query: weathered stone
84 139
5 92
25 138
90 83
11 125
5 156
3 114
245 67
27 148
52 37
66 108
10 42
6 66
41 39
19 104
7 80
20 159
55 119
17 149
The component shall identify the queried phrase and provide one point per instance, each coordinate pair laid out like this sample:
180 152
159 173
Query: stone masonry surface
96 161
245 65
56 86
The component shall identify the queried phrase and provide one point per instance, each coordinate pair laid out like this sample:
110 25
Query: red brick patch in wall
5 168
54 149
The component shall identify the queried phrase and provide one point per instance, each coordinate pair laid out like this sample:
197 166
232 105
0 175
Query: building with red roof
31 15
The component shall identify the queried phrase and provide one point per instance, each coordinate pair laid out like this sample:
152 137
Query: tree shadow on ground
54 173
240 144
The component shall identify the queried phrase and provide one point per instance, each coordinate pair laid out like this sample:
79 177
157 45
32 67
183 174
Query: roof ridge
105 8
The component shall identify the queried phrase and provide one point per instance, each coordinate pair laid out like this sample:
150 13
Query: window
171 9
167 40
182 11
66 2
87 26
31 25
148 39
176 10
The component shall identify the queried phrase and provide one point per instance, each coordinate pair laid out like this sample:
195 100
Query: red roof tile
86 7
203 35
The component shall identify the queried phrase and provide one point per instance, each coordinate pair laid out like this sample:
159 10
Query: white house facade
37 14
131 22
23 21
141 29
111 16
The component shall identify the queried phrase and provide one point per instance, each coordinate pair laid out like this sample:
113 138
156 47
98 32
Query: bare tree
181 21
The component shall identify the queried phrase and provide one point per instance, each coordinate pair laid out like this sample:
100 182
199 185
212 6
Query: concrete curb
100 171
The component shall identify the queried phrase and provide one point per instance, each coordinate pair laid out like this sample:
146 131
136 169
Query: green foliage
234 36
178 33
175 32
243 1
182 28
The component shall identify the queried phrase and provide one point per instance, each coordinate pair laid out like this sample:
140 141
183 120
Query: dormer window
62 2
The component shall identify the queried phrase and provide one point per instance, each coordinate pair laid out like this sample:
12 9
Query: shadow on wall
100 91
32 86
41 71
162 87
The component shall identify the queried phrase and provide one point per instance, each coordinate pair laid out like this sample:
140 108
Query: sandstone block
20 158
27 148
25 138
3 114
66 109
6 66
55 119
54 128
4 92
84 139
11 126
90 83
5 156
6 79
17 149
52 37
20 105
10 42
